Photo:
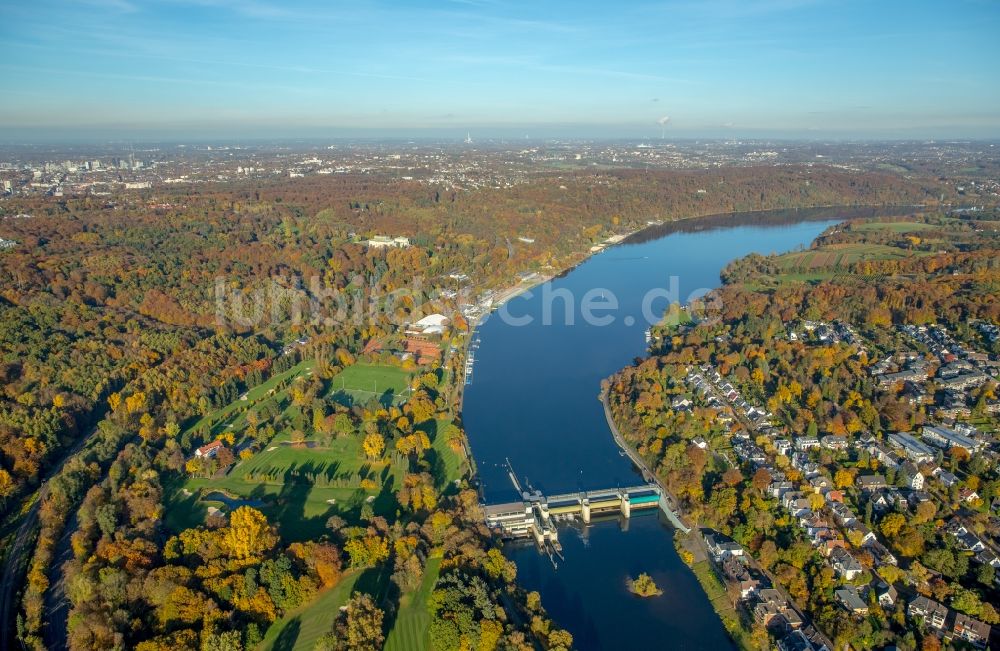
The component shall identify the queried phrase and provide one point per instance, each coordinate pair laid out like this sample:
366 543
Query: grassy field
446 464
362 382
233 413
298 487
837 256
300 629
895 227
410 631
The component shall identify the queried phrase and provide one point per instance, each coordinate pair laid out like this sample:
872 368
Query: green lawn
297 487
300 629
300 487
896 227
446 464
838 255
411 630
362 382
233 413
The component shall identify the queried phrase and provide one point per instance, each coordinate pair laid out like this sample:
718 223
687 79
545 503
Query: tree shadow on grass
433 462
436 467
288 636
185 511
290 508
377 583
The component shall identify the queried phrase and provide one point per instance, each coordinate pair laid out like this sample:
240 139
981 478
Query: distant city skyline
496 69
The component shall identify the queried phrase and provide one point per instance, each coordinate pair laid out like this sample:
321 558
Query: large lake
534 400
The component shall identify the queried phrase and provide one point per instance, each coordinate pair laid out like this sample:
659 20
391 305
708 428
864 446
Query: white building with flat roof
914 449
945 438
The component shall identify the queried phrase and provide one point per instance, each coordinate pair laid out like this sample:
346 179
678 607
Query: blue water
534 400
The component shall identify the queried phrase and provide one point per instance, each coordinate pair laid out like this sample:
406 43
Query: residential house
806 443
748 588
881 501
946 439
886 594
817 528
836 496
821 484
969 542
777 489
680 403
208 451
831 543
769 604
880 553
869 483
845 565
910 474
834 442
800 507
843 514
384 241
863 533
987 557
971 630
931 612
850 599
946 478
721 548
795 641
968 495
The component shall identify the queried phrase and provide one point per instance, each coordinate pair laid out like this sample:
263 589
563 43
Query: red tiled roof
214 445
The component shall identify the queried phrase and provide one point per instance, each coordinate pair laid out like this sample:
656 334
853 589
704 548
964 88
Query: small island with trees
643 586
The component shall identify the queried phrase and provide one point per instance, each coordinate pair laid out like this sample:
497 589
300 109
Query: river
534 400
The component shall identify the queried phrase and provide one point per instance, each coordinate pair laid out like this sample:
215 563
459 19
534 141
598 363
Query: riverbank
672 510
730 617
691 540
534 403
656 230
659 229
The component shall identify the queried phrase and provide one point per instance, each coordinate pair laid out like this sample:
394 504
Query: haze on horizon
717 68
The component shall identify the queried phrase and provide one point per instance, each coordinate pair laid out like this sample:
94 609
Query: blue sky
864 68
